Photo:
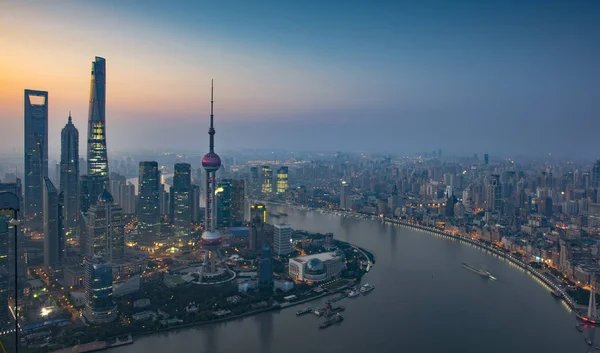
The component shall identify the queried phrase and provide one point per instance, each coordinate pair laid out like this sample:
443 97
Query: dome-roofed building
317 267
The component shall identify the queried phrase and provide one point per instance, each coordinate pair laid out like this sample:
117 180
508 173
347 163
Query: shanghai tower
97 159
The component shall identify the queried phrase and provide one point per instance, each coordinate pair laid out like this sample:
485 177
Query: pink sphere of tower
211 162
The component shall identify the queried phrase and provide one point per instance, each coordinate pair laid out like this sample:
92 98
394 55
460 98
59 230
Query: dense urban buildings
36 154
69 174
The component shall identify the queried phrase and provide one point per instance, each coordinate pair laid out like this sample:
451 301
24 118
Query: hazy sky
498 76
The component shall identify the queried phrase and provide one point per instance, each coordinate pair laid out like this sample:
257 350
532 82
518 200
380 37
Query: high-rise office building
282 180
486 159
97 157
116 180
238 201
165 201
53 226
224 197
148 202
16 189
258 211
265 267
4 278
282 239
195 203
254 180
494 194
596 175
267 180
344 191
69 174
36 155
181 191
105 230
98 282
128 198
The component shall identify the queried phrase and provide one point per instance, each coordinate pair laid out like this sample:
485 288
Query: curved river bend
424 301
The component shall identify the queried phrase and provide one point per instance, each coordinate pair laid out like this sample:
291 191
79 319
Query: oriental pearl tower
211 162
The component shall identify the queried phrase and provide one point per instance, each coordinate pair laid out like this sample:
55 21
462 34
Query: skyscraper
105 230
69 174
195 203
53 228
282 180
258 211
267 181
16 189
98 282
224 198
344 187
494 194
181 197
148 203
128 198
97 157
36 155
4 278
596 175
265 267
282 239
238 200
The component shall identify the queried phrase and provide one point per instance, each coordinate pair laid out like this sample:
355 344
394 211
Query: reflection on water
265 331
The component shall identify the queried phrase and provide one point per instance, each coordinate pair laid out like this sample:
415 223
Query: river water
424 301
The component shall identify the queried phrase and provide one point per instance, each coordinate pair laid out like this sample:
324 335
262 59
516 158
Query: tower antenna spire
211 131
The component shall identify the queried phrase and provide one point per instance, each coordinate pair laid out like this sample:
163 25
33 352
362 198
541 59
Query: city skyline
500 77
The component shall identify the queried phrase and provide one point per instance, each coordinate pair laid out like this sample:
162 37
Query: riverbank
276 307
571 304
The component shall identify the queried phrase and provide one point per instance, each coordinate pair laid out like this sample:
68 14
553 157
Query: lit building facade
4 282
69 174
317 268
36 155
224 195
267 180
98 281
181 197
258 210
97 156
105 235
148 202
282 180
